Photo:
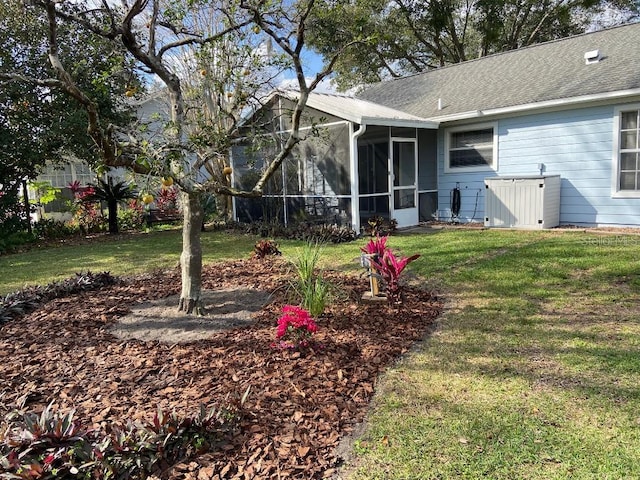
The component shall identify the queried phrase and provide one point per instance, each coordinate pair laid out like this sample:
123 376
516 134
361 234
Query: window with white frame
629 151
471 148
62 176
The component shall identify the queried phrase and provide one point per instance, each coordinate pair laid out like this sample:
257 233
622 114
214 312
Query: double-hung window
471 148
628 152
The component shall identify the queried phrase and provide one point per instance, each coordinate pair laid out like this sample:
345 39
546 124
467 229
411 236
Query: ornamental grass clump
310 287
295 329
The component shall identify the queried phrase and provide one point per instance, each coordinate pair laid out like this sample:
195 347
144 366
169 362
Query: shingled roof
531 76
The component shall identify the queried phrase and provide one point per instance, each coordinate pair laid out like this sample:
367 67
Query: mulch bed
299 406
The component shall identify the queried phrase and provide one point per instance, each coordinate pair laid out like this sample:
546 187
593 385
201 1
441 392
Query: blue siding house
570 107
425 146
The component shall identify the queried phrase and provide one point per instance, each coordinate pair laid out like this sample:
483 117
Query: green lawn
137 253
532 372
534 369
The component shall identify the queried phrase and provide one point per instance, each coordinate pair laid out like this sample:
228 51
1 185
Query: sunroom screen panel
319 165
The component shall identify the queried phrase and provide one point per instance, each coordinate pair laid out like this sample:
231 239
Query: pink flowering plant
295 329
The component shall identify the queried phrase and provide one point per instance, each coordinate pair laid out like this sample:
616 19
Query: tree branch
18 77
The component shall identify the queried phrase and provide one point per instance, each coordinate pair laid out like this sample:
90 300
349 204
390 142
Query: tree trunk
113 217
27 207
191 258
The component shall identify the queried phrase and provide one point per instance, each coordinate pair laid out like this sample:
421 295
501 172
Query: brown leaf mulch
298 408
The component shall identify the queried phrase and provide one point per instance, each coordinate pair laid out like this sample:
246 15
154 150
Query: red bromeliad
295 328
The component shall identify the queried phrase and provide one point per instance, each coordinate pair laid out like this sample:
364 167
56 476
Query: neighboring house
151 112
567 108
61 177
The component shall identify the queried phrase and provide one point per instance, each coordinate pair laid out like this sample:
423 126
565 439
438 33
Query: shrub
302 231
51 445
13 241
50 229
378 225
331 233
132 217
264 248
13 214
87 216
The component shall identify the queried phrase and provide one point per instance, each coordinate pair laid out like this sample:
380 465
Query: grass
532 373
135 254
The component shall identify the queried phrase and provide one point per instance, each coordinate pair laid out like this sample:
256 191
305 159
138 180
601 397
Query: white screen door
405 174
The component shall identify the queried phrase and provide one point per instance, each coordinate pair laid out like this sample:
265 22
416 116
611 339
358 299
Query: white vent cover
592 56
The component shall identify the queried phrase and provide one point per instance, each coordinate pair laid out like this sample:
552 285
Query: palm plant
112 194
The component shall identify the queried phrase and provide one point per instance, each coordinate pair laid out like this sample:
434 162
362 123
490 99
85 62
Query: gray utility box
531 202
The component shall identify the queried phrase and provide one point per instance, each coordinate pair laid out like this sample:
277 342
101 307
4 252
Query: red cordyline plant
75 187
167 198
376 246
295 328
390 267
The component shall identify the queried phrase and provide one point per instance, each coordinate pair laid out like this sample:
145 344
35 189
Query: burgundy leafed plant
376 246
167 198
390 267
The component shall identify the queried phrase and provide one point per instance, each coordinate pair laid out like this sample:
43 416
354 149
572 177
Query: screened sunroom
357 160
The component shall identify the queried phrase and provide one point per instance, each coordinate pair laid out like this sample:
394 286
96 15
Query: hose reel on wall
455 203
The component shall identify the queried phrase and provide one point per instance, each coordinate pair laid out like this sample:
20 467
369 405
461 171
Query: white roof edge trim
316 103
538 105
456 116
399 122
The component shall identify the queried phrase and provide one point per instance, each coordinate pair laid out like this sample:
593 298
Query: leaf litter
298 405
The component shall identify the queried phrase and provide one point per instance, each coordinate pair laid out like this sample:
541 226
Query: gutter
400 122
548 104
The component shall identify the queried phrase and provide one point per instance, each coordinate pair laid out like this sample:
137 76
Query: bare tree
157 33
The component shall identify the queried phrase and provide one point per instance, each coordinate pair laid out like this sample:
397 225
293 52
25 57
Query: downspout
353 156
